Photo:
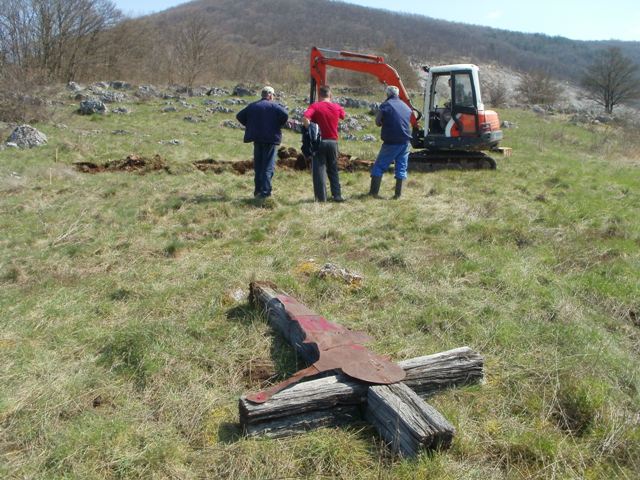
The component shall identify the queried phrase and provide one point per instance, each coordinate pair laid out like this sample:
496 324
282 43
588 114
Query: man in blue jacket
394 117
263 121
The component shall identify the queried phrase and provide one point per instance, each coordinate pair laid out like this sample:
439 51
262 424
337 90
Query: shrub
19 102
538 88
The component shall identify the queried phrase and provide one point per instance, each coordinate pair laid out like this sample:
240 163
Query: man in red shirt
325 161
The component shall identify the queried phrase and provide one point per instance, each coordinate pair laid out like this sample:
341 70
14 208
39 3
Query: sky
575 19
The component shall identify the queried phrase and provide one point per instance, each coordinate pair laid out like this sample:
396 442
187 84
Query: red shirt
326 115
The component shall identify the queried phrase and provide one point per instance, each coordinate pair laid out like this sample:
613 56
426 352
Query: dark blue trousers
264 163
325 163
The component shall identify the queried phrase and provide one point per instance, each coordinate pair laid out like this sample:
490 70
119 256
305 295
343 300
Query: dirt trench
131 164
288 158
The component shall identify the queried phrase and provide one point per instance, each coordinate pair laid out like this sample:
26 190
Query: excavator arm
357 62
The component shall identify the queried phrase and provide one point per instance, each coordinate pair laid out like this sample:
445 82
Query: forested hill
280 29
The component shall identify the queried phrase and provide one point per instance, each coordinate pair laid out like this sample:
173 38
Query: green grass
125 347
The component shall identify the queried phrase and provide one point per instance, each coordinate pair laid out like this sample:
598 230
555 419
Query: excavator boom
358 62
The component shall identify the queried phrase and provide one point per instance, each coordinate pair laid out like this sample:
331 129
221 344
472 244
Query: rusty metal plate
360 363
341 348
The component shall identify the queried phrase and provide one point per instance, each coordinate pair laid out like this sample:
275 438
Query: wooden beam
294 424
405 421
427 375
264 296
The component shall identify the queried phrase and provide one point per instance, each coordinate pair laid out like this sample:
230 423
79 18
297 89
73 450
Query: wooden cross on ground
397 410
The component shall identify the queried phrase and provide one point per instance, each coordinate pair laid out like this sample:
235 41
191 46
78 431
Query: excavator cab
456 118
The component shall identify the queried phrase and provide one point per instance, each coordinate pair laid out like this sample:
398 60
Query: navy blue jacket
396 121
263 120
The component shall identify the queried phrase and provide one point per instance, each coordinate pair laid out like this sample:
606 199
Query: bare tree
497 92
612 79
191 45
57 36
396 58
538 88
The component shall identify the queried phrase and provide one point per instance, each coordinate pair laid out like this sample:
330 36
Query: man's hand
306 122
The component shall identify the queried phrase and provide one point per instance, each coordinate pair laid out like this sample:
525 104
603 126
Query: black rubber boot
398 189
375 186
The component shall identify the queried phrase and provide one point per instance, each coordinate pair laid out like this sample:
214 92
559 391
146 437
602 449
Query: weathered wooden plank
405 421
319 394
263 296
432 373
281 427
427 374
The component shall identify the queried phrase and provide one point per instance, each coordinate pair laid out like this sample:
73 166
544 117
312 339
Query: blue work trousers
323 165
264 162
396 153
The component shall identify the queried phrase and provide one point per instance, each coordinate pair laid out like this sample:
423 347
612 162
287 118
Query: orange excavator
457 127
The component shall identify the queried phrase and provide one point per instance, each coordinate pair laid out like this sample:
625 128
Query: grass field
126 337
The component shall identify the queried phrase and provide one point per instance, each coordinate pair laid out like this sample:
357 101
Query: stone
350 124
538 109
242 91
121 110
368 138
219 109
74 87
235 101
146 91
348 102
169 108
294 125
91 106
217 92
506 124
120 85
604 118
112 97
296 113
331 270
232 124
25 136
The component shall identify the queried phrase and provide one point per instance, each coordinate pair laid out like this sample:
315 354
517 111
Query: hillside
275 29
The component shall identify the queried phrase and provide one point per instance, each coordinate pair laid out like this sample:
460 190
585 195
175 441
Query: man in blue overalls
394 117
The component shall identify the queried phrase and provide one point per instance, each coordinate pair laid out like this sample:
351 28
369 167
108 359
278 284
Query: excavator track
431 161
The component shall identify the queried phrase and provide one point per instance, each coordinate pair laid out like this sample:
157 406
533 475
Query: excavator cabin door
453 103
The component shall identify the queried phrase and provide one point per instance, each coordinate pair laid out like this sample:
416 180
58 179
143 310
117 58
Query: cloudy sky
576 19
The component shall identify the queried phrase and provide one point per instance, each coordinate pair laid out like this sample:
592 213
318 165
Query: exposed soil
288 158
258 372
132 164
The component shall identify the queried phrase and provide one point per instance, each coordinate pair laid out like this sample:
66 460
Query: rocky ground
108 97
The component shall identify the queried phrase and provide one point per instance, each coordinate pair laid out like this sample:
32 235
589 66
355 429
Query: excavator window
463 91
442 91
440 113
